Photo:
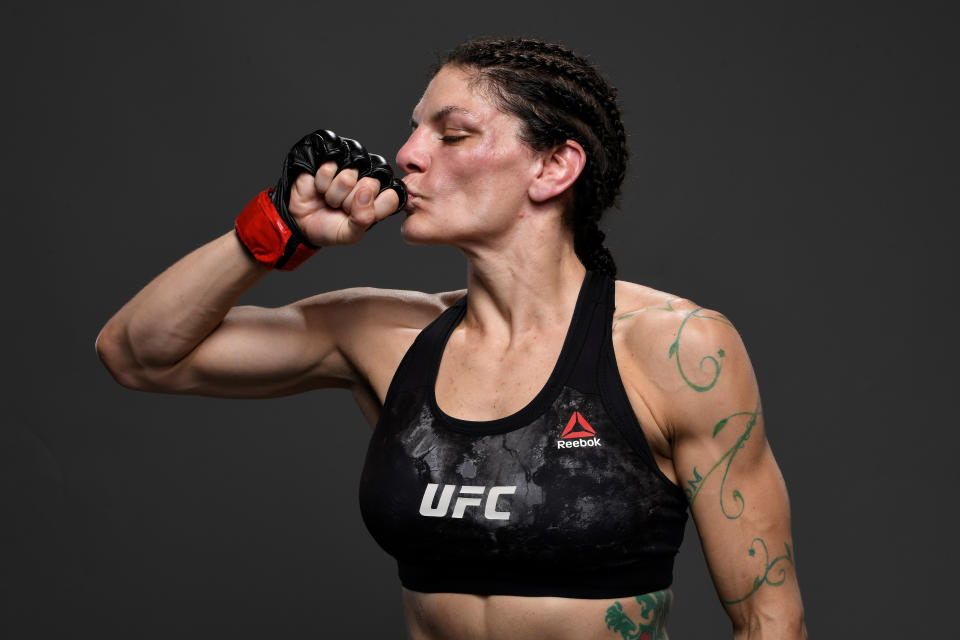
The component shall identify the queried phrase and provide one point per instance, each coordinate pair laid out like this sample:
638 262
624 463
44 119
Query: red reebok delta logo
578 427
577 420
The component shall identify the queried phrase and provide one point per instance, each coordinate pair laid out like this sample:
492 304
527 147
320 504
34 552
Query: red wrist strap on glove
268 238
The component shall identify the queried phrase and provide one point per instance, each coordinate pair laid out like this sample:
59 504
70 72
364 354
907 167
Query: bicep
739 503
735 489
258 352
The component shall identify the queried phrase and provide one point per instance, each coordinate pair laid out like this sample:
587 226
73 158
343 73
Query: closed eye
451 138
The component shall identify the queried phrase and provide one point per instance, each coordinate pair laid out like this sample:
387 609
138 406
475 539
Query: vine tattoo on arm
654 608
717 363
674 350
725 461
769 564
616 619
696 484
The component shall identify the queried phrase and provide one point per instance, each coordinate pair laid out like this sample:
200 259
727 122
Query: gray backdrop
793 166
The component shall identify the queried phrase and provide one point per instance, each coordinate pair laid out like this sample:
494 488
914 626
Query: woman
538 435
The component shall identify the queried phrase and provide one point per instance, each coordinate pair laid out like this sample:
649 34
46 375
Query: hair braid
559 95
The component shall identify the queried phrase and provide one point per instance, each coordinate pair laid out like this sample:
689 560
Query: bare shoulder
373 328
448 298
634 300
680 350
362 309
661 333
647 317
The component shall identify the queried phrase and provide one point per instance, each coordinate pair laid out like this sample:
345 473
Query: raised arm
182 334
734 486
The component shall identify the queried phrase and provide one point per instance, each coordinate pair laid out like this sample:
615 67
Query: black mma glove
267 228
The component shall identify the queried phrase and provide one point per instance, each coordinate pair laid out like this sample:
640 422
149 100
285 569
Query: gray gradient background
793 166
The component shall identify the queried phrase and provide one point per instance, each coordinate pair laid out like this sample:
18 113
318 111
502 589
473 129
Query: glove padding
271 233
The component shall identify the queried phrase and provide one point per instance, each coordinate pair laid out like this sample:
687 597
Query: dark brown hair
559 96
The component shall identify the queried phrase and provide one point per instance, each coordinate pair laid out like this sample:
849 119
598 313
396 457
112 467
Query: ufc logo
489 510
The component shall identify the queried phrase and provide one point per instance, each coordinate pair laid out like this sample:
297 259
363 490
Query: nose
412 156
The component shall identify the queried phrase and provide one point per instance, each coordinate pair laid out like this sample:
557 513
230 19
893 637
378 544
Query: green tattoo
654 608
669 307
759 580
717 364
697 483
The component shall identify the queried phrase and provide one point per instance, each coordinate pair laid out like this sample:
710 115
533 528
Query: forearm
170 316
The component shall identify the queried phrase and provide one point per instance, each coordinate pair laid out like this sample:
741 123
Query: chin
414 232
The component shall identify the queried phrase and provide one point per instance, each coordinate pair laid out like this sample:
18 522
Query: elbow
785 625
118 359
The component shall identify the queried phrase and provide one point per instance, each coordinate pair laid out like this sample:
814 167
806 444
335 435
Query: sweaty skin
474 186
491 383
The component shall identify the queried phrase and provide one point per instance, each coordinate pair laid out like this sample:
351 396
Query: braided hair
559 96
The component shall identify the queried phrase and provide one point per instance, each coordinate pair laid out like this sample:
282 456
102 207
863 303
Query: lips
411 192
413 199
411 203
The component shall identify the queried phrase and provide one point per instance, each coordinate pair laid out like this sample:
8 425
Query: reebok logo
577 433
446 494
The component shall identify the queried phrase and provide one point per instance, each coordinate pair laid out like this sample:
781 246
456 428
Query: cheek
484 171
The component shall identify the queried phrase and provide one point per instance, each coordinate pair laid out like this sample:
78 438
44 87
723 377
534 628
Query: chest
504 465
505 503
480 381
525 488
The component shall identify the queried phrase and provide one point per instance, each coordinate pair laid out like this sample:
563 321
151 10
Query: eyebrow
443 112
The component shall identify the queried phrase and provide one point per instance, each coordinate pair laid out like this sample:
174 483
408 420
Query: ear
561 167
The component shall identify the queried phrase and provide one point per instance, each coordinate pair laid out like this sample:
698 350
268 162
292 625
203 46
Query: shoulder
688 354
372 308
372 328
657 325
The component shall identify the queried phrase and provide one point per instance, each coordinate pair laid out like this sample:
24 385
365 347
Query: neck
522 284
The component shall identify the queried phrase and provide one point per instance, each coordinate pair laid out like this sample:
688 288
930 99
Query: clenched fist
336 190
330 191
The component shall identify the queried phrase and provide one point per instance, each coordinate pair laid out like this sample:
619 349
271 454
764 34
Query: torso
441 616
499 384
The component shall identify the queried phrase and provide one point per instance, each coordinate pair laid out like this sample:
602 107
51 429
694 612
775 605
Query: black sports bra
562 498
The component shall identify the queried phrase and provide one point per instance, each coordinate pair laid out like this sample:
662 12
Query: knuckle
303 182
335 196
369 183
387 202
327 170
346 179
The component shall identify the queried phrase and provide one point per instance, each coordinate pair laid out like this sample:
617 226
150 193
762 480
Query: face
467 170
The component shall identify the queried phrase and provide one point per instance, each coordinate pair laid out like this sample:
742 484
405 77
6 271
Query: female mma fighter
540 435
